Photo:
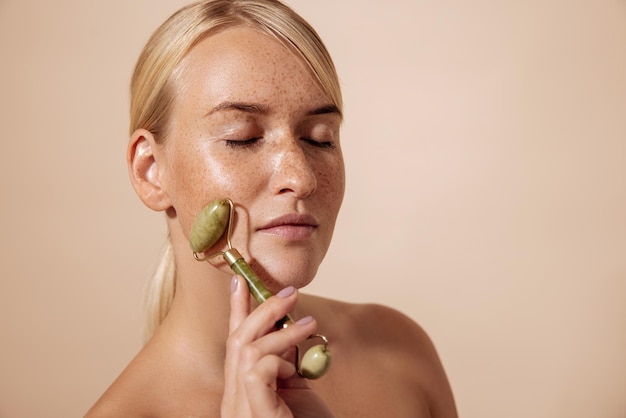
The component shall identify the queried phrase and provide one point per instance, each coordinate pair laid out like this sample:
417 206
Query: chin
278 275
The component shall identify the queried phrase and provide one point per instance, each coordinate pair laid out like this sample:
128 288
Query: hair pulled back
152 87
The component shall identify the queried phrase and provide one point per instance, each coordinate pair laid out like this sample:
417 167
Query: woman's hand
260 375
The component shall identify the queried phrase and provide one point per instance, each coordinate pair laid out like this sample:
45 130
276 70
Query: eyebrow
323 110
260 109
241 106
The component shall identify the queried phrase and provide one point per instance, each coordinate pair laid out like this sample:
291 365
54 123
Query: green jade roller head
206 231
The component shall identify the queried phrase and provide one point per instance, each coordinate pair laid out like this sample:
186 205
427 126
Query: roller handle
257 289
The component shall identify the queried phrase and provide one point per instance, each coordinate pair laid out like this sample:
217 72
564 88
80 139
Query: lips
293 226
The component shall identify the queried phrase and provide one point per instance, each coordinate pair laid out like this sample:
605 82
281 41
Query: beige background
486 161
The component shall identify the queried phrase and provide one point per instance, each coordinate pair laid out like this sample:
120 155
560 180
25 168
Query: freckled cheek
191 187
331 178
201 177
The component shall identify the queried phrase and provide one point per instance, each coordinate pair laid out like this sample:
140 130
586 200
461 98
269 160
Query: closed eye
319 144
242 143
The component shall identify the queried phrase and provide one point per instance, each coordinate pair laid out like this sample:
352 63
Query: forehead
245 64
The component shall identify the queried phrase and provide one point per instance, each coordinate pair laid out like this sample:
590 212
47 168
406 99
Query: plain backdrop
485 144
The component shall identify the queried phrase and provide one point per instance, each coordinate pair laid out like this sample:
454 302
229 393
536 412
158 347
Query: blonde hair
152 88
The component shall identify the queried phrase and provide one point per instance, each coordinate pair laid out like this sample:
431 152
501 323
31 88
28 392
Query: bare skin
383 365
216 354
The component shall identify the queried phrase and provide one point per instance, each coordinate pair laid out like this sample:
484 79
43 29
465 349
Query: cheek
202 175
196 181
332 176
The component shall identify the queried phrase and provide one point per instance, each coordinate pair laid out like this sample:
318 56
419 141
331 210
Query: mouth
292 226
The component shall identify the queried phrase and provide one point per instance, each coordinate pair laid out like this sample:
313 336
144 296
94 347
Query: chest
371 392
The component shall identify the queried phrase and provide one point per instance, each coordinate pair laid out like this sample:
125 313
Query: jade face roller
207 229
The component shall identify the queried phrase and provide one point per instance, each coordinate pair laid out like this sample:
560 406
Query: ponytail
160 291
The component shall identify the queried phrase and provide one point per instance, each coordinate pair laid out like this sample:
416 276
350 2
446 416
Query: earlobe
144 170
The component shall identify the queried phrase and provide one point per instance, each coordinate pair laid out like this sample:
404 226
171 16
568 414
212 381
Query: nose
293 172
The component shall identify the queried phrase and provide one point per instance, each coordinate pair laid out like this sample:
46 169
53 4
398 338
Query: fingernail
233 284
288 291
305 320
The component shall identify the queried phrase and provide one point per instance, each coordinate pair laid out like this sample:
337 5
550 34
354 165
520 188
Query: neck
197 323
196 326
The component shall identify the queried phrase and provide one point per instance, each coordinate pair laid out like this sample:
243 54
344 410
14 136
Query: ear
144 170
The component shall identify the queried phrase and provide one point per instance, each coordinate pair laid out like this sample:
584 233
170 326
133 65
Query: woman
240 99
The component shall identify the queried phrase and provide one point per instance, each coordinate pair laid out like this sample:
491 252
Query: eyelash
246 143
251 142
320 144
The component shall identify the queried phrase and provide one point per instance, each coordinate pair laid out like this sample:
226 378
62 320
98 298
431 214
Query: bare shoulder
149 387
121 396
400 353
375 325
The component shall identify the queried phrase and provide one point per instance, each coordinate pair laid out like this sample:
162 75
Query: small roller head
209 225
315 362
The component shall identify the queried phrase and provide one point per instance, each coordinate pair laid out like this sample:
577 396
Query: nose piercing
207 229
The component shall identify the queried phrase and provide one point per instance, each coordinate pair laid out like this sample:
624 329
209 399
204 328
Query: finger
241 359
260 384
239 303
263 319
284 340
266 370
239 310
294 381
